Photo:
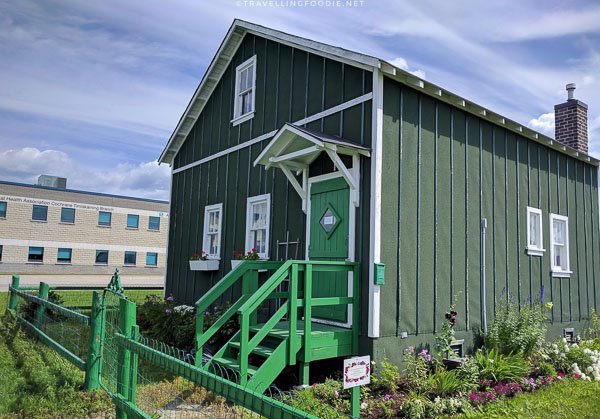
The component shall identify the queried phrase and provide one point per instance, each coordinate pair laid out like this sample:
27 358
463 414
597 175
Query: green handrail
242 272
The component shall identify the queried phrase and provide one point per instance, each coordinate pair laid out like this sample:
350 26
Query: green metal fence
145 378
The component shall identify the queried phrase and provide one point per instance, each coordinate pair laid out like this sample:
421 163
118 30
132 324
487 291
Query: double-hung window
535 242
245 86
151 259
212 230
36 255
559 240
257 224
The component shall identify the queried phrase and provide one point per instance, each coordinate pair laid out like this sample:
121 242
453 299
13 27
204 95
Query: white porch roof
294 148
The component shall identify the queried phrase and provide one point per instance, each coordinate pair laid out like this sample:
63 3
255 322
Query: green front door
329 227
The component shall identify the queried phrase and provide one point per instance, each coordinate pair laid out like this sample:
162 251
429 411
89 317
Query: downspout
483 291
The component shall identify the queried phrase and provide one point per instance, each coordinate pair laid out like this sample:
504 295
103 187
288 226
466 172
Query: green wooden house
372 198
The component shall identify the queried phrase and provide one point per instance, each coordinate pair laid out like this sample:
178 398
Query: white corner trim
375 227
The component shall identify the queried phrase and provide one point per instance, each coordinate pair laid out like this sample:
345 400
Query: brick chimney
570 122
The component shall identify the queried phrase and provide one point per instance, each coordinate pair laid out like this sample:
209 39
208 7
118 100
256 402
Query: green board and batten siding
443 171
291 84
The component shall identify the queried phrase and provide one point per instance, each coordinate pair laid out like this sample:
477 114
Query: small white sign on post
357 371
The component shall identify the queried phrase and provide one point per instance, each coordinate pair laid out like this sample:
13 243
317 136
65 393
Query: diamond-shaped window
330 220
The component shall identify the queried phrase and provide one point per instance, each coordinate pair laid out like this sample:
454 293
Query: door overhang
294 148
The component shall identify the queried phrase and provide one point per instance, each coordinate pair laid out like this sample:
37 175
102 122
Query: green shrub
592 330
386 377
445 383
468 372
418 366
545 369
494 366
517 330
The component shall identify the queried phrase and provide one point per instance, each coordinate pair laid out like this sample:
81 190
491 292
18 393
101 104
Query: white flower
491 361
589 369
363 405
564 340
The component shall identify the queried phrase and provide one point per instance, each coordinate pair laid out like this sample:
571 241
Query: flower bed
497 372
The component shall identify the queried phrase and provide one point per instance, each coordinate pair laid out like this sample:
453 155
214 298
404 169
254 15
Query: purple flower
168 311
169 298
410 350
387 397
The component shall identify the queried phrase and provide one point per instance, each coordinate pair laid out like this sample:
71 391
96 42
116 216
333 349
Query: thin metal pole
483 291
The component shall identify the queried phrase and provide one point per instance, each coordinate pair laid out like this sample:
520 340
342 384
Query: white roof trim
239 28
223 57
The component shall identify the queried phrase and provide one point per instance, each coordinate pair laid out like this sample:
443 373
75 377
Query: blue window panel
39 213
102 257
104 218
154 223
133 221
130 258
2 209
36 254
64 255
67 215
151 259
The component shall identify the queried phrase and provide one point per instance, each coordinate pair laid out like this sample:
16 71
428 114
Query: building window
104 218
212 230
133 221
36 255
1 249
129 258
63 256
67 215
245 82
257 224
559 240
101 257
2 209
154 223
39 213
535 238
151 259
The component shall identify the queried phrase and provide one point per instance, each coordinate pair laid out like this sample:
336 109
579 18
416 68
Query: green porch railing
296 301
246 274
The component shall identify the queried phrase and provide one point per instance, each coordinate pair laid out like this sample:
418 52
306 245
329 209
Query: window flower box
235 263
204 265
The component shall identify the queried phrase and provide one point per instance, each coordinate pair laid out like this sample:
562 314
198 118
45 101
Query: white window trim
252 200
557 271
532 250
237 117
205 241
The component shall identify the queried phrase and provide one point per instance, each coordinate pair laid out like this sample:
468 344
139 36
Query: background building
57 231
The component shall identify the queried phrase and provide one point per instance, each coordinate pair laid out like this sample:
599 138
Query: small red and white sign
357 371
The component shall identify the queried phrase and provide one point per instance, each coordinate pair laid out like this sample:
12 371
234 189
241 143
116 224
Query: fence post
12 299
126 323
40 310
92 365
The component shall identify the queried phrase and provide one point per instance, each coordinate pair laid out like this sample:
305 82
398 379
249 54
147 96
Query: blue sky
92 90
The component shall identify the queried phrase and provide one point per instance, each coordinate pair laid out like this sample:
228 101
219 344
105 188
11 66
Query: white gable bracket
301 190
337 161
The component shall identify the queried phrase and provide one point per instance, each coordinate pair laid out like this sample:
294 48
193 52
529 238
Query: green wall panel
443 171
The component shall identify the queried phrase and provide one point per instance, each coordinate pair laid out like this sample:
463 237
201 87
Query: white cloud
145 180
544 124
401 63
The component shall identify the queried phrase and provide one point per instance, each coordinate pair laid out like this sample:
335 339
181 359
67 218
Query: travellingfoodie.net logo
300 3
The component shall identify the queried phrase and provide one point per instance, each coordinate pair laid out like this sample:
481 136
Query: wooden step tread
281 329
259 350
233 364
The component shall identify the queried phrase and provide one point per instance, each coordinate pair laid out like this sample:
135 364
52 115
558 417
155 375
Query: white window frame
249 203
558 271
206 239
238 118
533 250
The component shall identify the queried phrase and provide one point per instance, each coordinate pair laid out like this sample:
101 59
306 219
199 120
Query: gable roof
240 28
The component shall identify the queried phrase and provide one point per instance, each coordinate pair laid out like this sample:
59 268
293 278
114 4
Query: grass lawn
569 399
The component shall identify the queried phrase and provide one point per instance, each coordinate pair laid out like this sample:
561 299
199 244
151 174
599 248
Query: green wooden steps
258 352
